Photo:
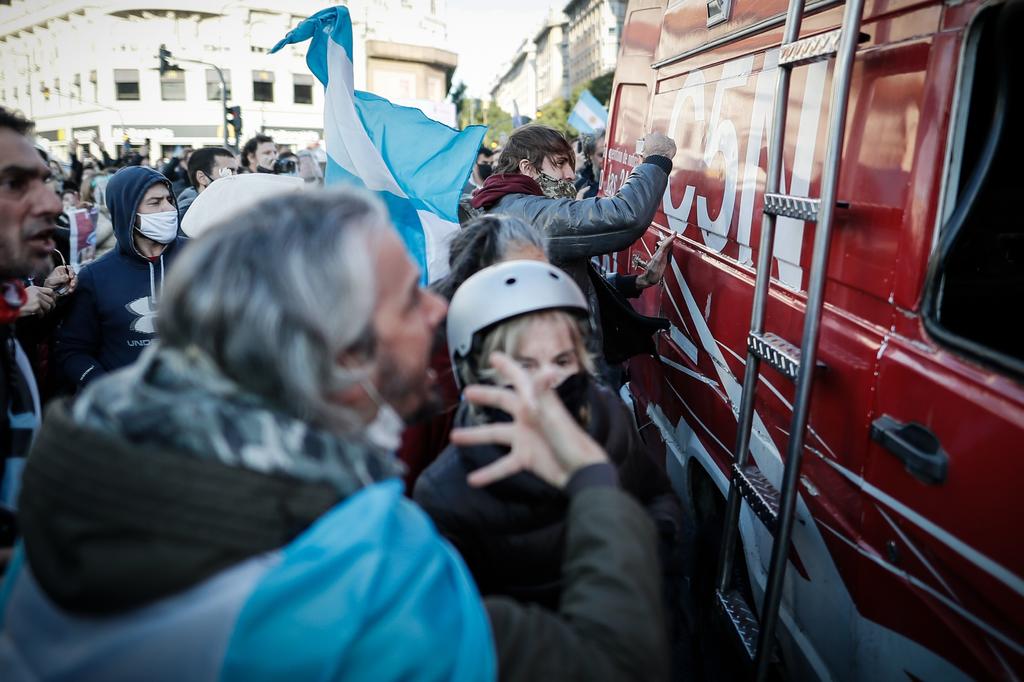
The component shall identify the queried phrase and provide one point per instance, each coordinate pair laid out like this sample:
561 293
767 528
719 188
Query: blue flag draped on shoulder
415 164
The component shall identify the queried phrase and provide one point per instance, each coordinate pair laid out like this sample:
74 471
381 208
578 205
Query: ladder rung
741 616
809 50
780 354
759 493
786 206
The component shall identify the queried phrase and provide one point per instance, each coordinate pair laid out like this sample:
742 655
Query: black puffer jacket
512 533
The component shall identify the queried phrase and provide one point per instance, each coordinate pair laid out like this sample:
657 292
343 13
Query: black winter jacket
512 534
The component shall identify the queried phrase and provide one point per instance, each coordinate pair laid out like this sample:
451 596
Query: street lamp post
223 87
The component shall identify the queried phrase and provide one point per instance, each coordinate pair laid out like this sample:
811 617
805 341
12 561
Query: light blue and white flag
588 116
416 165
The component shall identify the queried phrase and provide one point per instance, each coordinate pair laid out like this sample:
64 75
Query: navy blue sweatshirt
112 315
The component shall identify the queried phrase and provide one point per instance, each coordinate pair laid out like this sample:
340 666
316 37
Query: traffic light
233 116
164 56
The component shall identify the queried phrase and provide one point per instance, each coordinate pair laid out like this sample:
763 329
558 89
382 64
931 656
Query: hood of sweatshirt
124 193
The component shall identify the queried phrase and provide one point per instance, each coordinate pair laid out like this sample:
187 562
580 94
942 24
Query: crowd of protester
236 385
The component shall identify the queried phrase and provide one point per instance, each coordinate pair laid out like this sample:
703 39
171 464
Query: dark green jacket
111 526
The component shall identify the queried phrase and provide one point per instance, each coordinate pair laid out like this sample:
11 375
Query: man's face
223 166
156 199
266 155
558 167
28 207
405 320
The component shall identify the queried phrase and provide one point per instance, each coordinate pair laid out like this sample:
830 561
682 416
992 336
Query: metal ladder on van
775 508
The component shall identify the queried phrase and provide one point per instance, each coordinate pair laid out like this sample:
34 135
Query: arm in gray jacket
609 624
580 228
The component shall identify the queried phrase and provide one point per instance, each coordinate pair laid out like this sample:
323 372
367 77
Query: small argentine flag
588 116
416 165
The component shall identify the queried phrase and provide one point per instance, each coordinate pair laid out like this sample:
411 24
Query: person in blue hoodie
112 316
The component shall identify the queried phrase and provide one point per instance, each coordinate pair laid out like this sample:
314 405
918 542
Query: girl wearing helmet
481 242
512 533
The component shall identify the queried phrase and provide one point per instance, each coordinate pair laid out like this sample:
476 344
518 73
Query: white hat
501 292
230 195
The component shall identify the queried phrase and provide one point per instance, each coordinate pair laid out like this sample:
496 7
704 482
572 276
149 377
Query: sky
486 33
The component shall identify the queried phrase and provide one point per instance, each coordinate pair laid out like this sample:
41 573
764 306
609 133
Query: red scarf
497 186
14 296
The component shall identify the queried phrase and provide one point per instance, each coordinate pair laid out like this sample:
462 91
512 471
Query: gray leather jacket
577 229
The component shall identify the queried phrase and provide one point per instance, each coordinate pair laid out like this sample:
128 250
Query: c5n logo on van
722 187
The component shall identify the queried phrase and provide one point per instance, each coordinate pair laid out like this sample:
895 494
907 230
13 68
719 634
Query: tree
601 88
556 114
498 122
457 94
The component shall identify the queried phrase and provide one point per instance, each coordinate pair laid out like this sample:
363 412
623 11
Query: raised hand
659 144
543 437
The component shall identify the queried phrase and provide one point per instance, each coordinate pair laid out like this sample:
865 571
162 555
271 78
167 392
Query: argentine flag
416 165
588 116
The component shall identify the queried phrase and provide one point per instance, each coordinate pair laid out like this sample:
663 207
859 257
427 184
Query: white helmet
501 292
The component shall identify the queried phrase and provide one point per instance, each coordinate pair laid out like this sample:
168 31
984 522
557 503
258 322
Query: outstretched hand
543 437
655 271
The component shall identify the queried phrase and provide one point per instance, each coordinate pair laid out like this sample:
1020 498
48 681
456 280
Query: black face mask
484 170
572 392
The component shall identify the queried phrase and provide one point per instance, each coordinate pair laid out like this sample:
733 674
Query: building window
302 88
126 82
262 86
172 85
213 84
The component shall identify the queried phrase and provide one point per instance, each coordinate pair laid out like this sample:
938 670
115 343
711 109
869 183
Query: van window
976 291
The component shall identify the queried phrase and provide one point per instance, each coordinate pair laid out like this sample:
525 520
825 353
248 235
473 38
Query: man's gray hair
278 295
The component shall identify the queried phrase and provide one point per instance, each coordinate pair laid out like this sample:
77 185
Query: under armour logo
145 315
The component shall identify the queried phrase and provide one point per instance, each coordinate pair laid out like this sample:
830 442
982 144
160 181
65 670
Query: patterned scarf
556 189
180 400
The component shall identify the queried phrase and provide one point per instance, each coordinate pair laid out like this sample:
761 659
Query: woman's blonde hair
507 336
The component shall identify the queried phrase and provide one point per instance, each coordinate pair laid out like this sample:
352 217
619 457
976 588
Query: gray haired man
228 508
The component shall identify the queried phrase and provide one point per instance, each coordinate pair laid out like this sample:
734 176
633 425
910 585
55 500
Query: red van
896 571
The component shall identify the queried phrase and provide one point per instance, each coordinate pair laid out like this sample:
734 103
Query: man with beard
28 209
228 507
533 181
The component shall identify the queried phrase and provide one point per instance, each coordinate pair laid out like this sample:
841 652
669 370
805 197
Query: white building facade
516 89
595 28
537 73
83 70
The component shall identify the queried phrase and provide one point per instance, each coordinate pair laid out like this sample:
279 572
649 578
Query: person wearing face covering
512 534
534 181
112 316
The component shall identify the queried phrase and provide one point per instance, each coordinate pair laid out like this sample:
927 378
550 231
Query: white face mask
161 227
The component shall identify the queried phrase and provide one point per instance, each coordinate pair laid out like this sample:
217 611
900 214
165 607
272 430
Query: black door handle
915 446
